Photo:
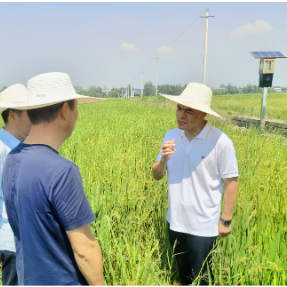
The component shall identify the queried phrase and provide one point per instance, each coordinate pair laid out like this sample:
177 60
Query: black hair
47 114
5 114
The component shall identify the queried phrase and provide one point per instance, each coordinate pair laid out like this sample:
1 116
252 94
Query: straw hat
46 90
16 92
196 96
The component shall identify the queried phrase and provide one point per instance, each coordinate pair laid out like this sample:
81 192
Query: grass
250 105
238 105
115 144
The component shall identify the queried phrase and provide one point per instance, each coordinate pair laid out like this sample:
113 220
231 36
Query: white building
126 95
277 89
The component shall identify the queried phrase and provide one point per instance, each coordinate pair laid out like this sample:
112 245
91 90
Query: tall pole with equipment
134 85
205 43
141 83
156 75
266 72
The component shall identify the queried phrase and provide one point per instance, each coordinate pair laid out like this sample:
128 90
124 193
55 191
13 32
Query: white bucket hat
46 90
16 92
196 96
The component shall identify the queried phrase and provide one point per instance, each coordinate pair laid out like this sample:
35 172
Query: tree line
248 89
149 90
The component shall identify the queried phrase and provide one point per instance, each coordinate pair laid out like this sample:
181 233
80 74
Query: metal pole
141 84
134 85
205 44
156 76
263 107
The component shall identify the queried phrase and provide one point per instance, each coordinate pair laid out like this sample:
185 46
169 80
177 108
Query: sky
110 43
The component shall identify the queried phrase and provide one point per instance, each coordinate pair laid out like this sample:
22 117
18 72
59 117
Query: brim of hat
178 100
41 103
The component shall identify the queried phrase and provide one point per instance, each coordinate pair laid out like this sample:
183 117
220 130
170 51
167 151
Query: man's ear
63 111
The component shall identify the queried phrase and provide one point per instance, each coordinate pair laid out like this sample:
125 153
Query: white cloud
164 49
258 27
129 47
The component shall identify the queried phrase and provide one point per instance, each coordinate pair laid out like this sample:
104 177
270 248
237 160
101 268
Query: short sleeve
69 200
227 161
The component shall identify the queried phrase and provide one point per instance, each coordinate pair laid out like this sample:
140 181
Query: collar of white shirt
203 134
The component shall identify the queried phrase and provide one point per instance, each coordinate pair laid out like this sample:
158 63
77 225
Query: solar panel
256 54
279 54
268 54
264 54
272 54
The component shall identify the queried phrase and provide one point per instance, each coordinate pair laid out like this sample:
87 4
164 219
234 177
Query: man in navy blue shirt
46 204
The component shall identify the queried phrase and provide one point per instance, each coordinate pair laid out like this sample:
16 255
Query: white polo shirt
195 179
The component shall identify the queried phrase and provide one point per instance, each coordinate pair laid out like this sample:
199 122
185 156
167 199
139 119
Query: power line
221 8
144 68
175 38
183 31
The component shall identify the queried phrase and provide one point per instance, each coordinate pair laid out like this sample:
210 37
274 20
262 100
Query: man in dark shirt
46 204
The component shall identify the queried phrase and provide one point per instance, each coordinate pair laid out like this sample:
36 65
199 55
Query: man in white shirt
200 159
16 128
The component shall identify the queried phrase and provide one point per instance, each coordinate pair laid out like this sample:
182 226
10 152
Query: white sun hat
196 96
46 90
16 92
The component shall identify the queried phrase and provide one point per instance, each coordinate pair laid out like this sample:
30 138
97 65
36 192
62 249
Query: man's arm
87 253
159 167
230 194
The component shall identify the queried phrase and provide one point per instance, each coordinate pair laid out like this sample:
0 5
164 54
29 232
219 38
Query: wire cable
169 46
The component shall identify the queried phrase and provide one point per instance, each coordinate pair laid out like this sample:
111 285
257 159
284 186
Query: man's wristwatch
225 222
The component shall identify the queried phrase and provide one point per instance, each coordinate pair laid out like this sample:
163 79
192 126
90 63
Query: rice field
115 144
250 105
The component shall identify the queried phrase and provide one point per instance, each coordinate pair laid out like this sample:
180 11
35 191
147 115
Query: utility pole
156 75
205 43
141 83
134 85
263 107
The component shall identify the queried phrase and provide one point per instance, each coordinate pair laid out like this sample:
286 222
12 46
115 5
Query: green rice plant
115 144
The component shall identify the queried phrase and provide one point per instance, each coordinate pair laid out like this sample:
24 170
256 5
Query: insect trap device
266 66
266 72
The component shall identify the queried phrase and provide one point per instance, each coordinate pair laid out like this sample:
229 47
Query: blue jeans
9 273
190 252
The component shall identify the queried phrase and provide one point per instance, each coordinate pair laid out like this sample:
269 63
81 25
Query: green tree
79 90
95 92
220 92
234 90
149 89
171 89
271 90
113 94
229 87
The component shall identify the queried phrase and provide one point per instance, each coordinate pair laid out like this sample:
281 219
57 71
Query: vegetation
149 89
250 105
98 92
171 89
131 206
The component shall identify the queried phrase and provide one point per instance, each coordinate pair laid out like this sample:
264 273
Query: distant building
277 89
106 91
126 94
